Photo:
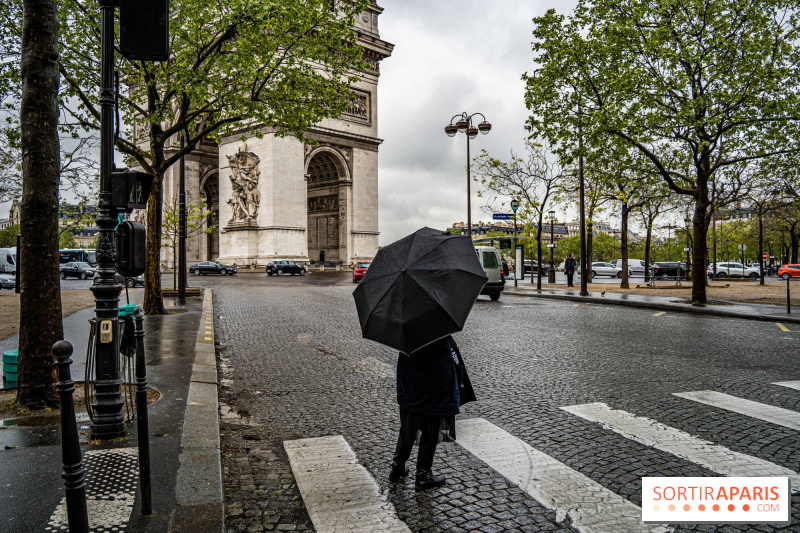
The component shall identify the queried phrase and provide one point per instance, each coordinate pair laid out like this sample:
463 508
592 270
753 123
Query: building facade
276 197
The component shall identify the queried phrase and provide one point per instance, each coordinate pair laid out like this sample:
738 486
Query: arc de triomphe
279 198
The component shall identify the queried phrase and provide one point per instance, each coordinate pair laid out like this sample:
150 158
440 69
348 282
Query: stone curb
198 489
659 306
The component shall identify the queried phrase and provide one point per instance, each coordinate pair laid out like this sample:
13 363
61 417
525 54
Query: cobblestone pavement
294 365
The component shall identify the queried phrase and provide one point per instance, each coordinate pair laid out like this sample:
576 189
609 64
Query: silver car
605 269
7 281
734 270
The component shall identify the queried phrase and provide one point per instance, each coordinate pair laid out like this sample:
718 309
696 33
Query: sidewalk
183 427
762 312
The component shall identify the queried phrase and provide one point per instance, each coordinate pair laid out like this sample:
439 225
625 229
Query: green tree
711 84
196 218
531 180
8 236
241 67
66 239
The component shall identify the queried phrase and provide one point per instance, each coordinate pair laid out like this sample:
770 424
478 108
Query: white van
635 266
8 260
489 258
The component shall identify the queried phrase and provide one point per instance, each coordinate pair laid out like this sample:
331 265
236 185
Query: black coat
569 265
431 383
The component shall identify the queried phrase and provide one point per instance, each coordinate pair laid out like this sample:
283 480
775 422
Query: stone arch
209 191
325 172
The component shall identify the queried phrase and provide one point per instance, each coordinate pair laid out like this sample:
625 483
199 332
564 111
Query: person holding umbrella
416 293
432 384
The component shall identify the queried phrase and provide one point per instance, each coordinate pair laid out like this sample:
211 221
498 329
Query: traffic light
131 247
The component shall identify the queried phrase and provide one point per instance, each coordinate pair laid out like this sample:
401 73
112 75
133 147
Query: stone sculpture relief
359 107
322 203
245 197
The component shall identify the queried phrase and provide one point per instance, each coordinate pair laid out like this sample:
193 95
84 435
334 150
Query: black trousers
569 279
429 438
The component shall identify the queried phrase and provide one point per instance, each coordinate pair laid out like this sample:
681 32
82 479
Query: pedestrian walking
432 384
569 268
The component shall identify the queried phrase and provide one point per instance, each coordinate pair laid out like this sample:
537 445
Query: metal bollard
141 415
77 515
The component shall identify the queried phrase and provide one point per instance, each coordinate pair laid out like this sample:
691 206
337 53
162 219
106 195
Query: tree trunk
40 294
589 254
539 253
700 230
153 301
624 246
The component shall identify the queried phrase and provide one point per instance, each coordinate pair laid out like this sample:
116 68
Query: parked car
635 266
669 269
734 270
600 268
211 267
490 261
279 267
76 270
533 266
7 281
359 271
789 271
128 282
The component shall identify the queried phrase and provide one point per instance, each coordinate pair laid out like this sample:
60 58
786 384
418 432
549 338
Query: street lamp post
464 125
551 273
514 207
670 227
584 288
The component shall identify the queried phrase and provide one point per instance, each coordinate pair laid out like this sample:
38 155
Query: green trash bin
127 309
10 367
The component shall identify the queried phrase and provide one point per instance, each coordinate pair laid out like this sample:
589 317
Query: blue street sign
503 216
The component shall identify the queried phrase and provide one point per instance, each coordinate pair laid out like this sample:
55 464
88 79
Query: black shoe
397 472
426 480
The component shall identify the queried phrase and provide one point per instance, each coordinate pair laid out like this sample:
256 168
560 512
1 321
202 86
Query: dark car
128 282
76 270
280 267
211 267
669 269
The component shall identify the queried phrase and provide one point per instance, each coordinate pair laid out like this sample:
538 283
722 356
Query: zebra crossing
341 495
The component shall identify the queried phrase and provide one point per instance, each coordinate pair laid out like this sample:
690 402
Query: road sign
765 256
554 245
687 249
503 216
742 247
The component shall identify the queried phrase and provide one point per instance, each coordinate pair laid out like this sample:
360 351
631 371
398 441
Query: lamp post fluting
464 125
688 222
514 207
551 272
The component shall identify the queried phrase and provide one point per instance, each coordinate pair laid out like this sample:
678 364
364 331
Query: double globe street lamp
464 125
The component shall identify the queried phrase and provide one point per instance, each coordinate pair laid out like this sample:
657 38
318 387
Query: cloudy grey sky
450 56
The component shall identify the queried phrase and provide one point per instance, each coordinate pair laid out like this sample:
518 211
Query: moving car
669 269
76 270
734 270
211 267
789 271
279 267
7 281
490 261
600 268
128 282
359 271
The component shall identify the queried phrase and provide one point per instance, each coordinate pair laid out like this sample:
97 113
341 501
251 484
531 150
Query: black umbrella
419 289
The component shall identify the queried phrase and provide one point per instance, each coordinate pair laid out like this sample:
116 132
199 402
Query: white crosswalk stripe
767 413
589 506
790 384
681 444
339 494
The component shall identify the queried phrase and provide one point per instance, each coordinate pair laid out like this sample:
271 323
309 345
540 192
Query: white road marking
768 413
111 480
589 506
681 444
790 384
339 493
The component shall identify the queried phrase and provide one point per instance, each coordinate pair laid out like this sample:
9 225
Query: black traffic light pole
108 422
181 266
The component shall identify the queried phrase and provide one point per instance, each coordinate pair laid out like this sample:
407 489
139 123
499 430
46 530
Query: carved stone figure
245 197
